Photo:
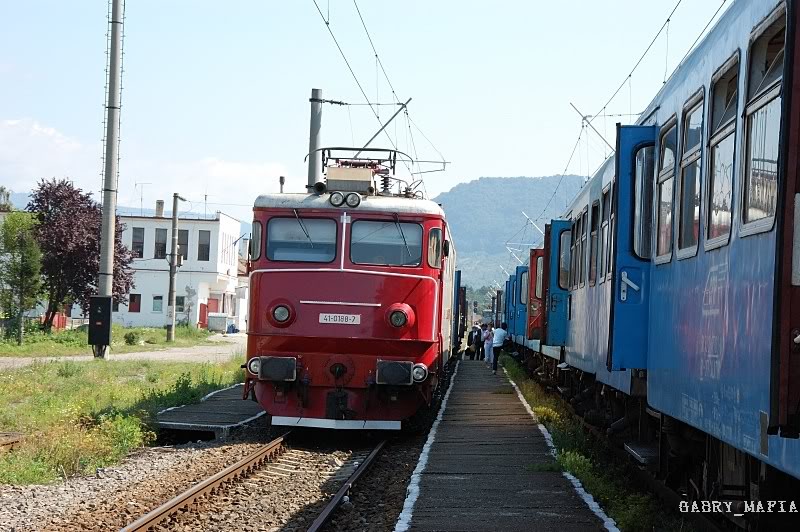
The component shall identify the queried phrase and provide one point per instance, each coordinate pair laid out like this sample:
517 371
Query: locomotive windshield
301 239
386 243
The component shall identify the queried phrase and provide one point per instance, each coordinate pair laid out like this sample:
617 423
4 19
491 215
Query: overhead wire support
666 23
586 121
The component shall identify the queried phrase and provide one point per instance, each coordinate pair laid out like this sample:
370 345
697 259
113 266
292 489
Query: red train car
351 296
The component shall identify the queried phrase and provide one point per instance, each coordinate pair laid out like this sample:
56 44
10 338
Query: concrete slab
488 466
219 412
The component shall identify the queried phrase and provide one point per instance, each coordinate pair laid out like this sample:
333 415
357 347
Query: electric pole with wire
174 262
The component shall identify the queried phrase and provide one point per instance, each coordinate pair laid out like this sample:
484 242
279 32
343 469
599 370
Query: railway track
289 482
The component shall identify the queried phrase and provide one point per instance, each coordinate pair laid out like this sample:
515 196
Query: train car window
435 248
572 254
584 246
576 280
762 124
539 273
593 243
724 95
689 222
604 234
643 200
523 289
666 173
255 241
564 259
386 243
610 251
301 239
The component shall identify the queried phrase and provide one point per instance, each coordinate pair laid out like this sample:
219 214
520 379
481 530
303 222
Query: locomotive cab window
724 96
666 173
435 248
762 126
255 241
383 243
689 203
301 239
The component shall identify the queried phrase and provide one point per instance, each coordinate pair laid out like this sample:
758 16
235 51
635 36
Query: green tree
20 264
5 200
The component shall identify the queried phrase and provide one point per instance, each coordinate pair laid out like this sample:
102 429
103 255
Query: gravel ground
121 494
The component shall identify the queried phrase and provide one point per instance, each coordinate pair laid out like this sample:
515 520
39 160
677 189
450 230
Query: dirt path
224 349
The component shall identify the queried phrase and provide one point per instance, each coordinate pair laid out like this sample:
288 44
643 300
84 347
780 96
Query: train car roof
400 205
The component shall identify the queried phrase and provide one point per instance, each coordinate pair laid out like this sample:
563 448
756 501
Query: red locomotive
351 296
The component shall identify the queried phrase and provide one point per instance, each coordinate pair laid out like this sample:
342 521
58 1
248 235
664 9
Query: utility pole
173 269
314 140
106 280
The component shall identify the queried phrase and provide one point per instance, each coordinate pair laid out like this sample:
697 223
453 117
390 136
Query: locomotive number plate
344 319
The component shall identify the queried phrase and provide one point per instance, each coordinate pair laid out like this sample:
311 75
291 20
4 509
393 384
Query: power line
377 58
703 31
666 24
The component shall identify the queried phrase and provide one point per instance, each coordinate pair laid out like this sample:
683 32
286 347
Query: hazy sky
215 97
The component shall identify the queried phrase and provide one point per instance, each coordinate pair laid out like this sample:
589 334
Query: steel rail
327 512
240 468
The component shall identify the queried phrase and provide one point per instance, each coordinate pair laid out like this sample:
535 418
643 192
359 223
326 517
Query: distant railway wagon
665 304
354 305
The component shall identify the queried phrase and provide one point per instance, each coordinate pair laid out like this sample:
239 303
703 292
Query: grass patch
123 340
602 474
78 416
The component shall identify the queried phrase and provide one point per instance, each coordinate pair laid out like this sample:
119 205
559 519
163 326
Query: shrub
133 338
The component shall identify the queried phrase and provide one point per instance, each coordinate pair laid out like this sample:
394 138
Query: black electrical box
100 320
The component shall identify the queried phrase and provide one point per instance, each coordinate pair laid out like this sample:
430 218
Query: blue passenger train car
680 263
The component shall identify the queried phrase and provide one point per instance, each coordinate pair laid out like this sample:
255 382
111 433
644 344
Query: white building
207 281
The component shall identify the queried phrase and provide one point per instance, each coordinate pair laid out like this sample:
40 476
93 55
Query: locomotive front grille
278 369
394 372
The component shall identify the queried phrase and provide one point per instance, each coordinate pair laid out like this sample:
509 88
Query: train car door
536 305
557 237
521 296
630 281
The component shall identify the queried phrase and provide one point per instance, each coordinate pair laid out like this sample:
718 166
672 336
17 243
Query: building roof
396 204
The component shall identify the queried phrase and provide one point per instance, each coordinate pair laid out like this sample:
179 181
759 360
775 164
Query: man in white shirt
500 336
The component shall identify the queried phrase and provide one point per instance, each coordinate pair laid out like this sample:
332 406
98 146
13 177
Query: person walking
499 338
481 338
472 342
488 335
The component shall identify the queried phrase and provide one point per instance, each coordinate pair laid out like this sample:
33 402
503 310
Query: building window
689 223
203 245
301 239
724 96
180 302
115 306
593 243
763 123
666 173
137 245
435 248
183 243
135 303
160 251
158 303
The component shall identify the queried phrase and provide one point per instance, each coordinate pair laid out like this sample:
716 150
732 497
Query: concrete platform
218 412
481 471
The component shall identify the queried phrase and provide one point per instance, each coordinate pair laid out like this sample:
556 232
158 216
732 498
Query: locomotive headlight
254 365
336 199
398 318
353 200
420 372
280 313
